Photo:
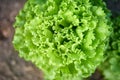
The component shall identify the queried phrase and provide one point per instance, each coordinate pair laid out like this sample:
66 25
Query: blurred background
12 67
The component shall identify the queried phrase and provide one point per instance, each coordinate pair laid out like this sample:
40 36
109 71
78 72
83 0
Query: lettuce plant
64 38
111 65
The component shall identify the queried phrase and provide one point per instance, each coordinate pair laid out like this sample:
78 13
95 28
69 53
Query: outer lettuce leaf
111 66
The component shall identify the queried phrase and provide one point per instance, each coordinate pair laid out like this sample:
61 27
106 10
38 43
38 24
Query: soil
12 67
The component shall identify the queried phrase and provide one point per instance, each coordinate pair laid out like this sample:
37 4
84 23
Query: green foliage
111 66
64 38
